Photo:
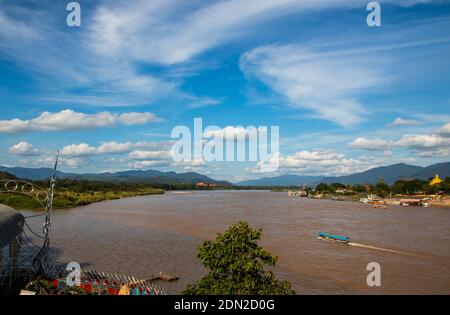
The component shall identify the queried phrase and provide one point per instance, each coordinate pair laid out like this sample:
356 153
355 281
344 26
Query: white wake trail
382 249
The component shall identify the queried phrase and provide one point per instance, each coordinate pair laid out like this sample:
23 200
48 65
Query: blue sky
347 97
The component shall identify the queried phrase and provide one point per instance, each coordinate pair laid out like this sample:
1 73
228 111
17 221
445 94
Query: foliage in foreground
236 266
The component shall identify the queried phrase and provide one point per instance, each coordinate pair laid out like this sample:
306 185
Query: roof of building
11 224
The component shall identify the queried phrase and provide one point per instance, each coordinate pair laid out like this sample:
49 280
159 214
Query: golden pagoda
435 181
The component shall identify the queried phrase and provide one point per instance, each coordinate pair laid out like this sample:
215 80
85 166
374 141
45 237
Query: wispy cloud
102 60
404 122
328 87
79 74
170 31
203 102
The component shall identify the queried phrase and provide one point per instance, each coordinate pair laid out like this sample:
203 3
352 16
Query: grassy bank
70 193
69 199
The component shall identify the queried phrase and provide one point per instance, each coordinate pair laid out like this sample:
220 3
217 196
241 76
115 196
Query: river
140 236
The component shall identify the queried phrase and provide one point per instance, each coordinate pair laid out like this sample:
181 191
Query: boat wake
381 249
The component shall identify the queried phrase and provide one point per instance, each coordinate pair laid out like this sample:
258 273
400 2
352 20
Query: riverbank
71 199
398 200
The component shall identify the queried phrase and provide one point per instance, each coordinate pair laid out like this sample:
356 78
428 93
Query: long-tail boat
332 237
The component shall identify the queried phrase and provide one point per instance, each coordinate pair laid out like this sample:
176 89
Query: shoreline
70 200
388 201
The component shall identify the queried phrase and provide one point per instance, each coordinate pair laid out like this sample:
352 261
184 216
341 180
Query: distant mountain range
282 180
148 176
389 174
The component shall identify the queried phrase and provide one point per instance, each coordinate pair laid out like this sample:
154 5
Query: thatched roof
11 224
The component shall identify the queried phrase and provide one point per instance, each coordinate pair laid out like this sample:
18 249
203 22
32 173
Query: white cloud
148 159
322 162
332 163
49 161
71 120
370 144
72 162
137 118
323 156
326 84
404 122
147 164
73 155
81 149
438 152
423 145
232 133
418 141
150 155
387 153
445 130
23 148
194 165
113 147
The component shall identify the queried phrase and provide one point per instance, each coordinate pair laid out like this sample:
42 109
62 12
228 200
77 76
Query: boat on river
332 237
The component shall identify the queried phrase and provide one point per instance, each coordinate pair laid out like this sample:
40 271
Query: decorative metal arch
25 188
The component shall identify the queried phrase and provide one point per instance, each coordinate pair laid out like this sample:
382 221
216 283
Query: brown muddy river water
143 235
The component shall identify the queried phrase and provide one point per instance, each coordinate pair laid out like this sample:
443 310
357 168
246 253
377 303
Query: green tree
5 176
381 188
410 186
335 186
236 266
446 185
322 187
361 188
